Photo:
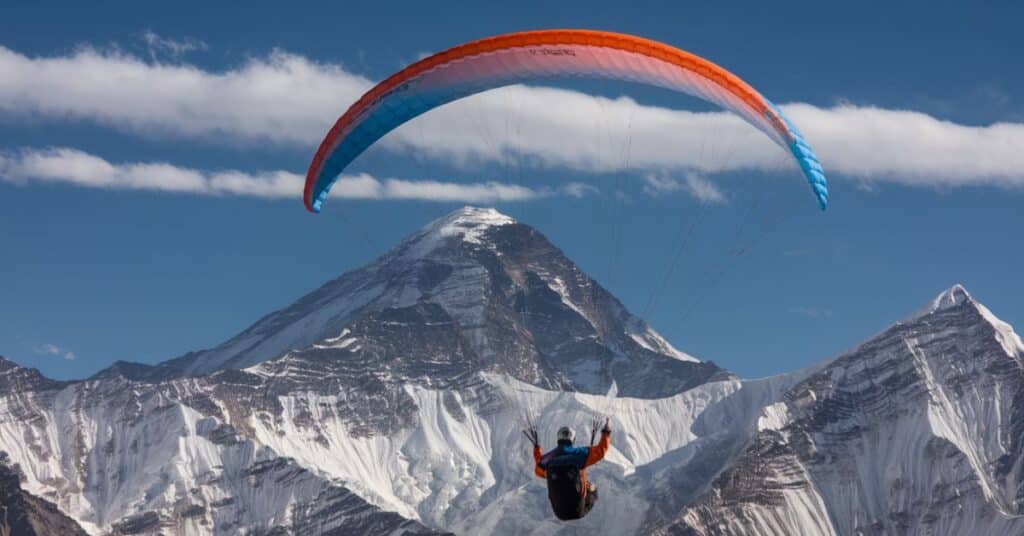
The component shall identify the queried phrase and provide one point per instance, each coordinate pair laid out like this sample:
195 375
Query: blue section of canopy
808 161
383 117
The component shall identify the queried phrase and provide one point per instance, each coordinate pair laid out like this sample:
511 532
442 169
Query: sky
151 163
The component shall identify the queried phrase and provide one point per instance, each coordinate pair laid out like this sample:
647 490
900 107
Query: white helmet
566 433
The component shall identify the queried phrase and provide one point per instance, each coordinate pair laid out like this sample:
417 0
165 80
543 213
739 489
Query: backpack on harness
565 491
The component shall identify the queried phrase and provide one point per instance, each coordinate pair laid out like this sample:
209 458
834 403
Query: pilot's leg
590 499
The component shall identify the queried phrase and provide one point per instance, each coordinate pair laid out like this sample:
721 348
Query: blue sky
917 111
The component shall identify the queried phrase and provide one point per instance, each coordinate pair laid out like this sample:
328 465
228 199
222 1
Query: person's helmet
566 434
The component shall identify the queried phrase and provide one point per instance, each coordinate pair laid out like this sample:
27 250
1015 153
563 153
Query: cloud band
290 100
71 166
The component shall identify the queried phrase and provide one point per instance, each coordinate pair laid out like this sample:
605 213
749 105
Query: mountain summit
513 300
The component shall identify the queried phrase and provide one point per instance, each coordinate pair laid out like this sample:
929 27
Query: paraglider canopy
524 56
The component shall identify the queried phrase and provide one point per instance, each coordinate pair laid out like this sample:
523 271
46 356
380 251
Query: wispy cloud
364 186
160 47
812 312
71 166
701 189
290 100
53 350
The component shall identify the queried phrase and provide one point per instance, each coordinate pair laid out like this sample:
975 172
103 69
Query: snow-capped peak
468 223
949 298
952 297
957 295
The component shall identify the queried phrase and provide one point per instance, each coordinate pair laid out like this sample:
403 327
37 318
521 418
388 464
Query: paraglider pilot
564 468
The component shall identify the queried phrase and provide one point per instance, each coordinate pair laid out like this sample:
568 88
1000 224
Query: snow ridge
916 431
951 297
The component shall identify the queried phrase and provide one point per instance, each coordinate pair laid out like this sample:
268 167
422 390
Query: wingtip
312 208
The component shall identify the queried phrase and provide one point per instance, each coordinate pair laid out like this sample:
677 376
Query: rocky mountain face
128 458
23 514
917 431
510 301
390 400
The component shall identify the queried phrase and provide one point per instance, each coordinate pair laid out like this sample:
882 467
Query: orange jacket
588 455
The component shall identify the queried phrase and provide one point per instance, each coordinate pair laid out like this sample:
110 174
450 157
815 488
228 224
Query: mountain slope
134 458
521 307
918 431
275 444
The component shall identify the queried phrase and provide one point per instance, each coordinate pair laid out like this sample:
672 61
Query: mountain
134 458
512 300
920 430
390 401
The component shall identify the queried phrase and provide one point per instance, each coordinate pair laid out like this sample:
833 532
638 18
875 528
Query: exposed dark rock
24 514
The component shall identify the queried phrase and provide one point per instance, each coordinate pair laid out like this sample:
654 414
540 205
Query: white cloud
281 98
72 166
913 148
290 100
701 189
48 349
363 186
